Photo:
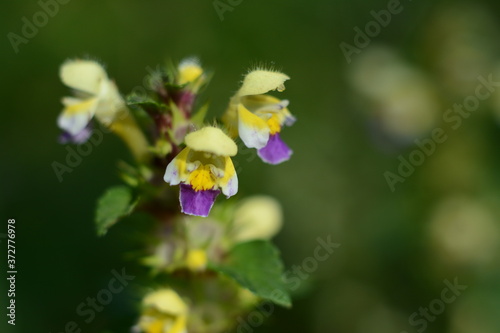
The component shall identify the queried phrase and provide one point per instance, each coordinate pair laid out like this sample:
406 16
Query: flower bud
258 217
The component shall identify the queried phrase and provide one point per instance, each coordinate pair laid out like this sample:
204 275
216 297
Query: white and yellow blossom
258 118
95 95
203 169
164 312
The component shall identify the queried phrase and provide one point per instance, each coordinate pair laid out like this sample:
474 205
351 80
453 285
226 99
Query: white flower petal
231 187
229 181
172 174
175 172
253 130
73 123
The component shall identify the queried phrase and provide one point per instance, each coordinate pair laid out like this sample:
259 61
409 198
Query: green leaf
114 204
199 117
170 86
256 265
145 102
178 118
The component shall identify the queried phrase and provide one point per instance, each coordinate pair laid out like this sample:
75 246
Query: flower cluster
166 132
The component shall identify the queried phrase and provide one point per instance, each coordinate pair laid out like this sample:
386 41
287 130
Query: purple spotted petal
78 138
197 203
276 151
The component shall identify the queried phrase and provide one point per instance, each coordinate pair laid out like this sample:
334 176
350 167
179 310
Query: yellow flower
464 231
196 260
403 104
190 72
257 217
202 168
258 118
164 312
96 96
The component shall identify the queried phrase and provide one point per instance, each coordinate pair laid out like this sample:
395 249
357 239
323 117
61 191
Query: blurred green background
354 120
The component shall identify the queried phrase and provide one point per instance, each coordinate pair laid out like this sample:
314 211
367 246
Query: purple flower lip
276 151
198 203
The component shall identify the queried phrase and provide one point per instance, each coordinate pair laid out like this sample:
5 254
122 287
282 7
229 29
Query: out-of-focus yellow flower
196 260
97 96
190 72
401 101
164 312
460 42
464 232
257 217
